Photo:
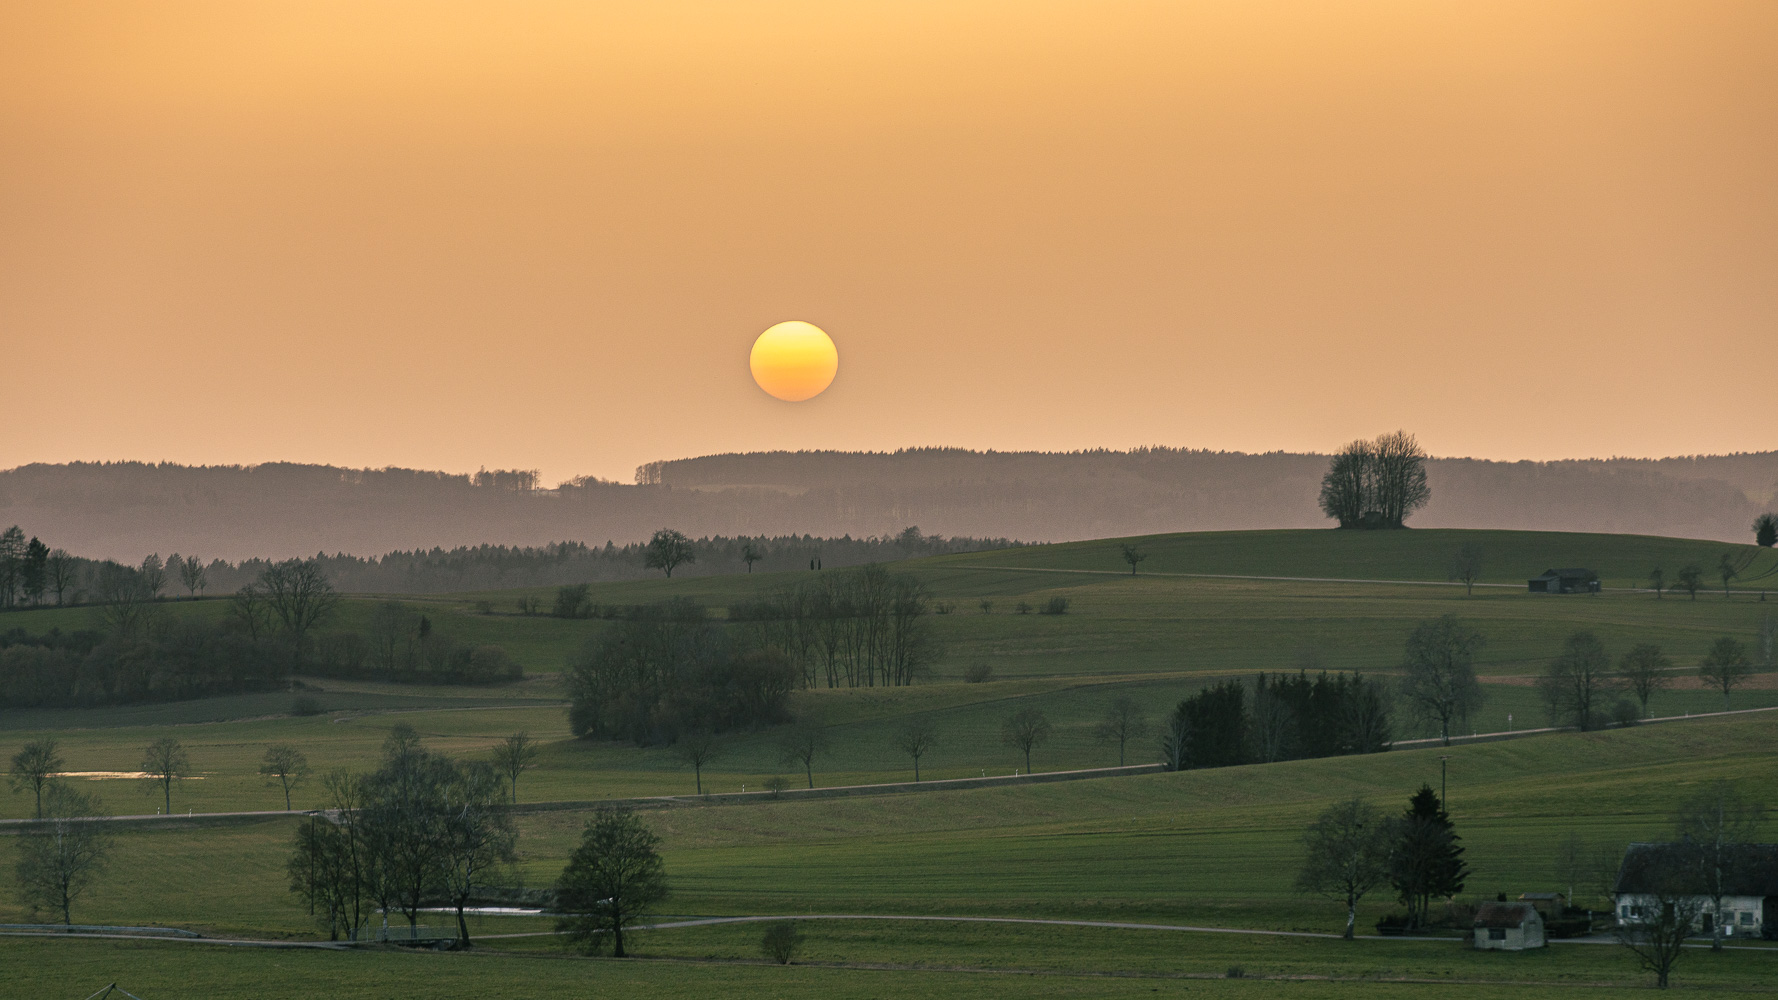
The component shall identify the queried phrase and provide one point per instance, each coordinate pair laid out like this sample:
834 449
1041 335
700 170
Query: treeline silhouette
1283 717
482 567
279 509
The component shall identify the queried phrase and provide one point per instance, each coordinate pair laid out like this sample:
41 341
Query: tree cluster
161 661
422 830
1376 484
670 670
1353 848
402 644
1283 717
866 628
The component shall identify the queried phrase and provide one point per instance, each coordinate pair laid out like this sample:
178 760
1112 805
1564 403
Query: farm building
1750 883
1508 927
1565 581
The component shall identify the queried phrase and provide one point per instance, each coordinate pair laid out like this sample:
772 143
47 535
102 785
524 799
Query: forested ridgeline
127 510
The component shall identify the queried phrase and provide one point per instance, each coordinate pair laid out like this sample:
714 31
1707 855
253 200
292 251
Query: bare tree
478 842
1123 721
986 605
1175 742
696 749
164 762
668 549
34 769
285 766
192 575
1577 682
613 878
1643 670
1133 555
1657 579
1466 566
1346 855
1728 568
914 739
1724 667
1711 826
1657 938
781 941
153 575
514 756
1441 684
59 857
63 573
801 743
249 612
123 600
1690 579
1024 730
750 555
299 596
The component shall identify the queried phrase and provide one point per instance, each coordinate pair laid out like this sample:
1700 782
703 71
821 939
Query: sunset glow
794 361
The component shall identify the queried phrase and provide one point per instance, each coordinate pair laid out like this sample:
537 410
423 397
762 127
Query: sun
794 361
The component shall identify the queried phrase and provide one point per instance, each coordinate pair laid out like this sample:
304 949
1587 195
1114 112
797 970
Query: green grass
1207 847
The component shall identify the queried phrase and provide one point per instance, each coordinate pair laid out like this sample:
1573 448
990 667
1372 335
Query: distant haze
544 234
127 510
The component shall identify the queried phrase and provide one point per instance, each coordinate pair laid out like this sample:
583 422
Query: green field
1203 847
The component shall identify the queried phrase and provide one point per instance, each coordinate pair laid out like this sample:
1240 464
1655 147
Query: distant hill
127 509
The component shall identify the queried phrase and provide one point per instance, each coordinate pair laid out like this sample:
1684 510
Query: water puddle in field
105 775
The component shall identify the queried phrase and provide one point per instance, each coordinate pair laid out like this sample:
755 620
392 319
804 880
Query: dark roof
1750 869
1568 574
1504 914
1539 897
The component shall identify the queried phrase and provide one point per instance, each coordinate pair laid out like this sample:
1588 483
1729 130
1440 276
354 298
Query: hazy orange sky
545 234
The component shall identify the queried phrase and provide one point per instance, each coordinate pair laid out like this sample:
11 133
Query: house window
1497 934
1747 918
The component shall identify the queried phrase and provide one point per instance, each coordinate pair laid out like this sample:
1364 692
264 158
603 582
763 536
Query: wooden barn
1565 581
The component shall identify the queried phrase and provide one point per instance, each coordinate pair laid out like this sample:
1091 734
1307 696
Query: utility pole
1441 781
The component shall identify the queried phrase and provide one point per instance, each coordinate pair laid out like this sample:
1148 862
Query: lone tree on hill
299 597
1376 484
1133 555
612 879
514 756
1644 671
1346 855
1425 861
285 766
1466 566
750 555
59 858
164 762
1765 530
669 549
1690 579
1025 729
914 739
34 769
1658 580
1724 667
1441 684
1578 682
1123 722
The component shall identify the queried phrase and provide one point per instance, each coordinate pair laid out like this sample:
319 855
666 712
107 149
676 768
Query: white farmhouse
1750 883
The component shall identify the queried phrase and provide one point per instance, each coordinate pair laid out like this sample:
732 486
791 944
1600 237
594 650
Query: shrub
987 606
781 941
1625 712
306 706
484 607
1393 924
943 607
1022 608
1056 606
776 784
1235 972
978 672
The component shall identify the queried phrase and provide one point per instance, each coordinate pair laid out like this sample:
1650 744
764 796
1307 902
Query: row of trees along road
1582 682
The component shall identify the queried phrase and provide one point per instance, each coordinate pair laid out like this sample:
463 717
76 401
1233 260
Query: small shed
1508 927
1564 581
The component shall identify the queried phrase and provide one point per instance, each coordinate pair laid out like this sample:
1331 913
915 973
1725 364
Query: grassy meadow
1214 847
